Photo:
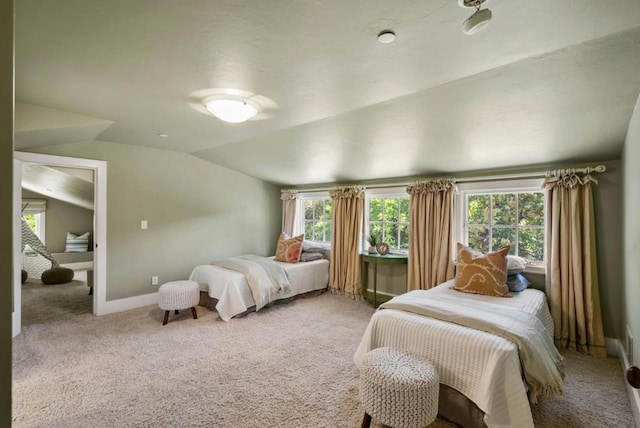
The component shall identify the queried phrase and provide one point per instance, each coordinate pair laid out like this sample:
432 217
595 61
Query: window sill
538 270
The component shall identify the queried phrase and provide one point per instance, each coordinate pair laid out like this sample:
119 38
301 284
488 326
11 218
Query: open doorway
63 201
57 275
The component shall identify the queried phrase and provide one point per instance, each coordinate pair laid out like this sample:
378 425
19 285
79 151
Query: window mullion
491 222
517 251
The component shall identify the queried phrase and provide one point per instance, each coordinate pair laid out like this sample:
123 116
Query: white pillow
77 243
515 265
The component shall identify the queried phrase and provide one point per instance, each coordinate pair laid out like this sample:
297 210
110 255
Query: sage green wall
6 206
196 211
607 204
631 227
61 218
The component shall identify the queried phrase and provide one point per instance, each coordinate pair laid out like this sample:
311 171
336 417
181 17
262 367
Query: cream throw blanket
542 364
265 277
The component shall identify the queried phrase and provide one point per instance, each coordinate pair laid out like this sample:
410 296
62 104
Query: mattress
483 367
233 294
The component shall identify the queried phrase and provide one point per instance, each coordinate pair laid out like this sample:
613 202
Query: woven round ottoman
177 295
398 389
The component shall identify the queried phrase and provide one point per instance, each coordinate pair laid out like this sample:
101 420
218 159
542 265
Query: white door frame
100 226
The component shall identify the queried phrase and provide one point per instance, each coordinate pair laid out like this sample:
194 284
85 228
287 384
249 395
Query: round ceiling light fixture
231 109
386 36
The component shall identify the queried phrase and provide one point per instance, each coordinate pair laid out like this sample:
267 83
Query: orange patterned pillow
480 274
289 249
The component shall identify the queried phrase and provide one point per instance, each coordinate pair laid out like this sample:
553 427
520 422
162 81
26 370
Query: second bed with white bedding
234 296
482 366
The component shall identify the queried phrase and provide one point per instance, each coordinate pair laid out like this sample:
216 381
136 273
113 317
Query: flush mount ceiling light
231 108
479 20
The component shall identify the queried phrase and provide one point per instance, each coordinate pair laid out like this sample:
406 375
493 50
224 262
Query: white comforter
266 279
482 366
233 293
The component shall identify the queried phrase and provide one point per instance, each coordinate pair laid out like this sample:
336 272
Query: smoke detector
480 18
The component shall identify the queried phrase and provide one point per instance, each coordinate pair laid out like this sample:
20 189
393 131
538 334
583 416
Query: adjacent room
324 214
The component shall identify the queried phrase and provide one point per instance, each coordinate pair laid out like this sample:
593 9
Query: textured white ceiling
547 81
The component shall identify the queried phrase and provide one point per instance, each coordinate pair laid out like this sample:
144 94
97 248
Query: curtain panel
289 204
430 233
571 266
345 268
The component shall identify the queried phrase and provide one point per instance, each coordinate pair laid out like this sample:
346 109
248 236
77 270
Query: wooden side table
375 260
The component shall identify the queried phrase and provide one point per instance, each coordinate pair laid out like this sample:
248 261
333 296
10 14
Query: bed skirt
210 302
455 407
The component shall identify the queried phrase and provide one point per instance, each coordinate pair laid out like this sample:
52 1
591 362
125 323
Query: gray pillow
517 282
308 256
314 247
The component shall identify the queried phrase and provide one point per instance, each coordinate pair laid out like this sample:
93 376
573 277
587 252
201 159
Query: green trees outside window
498 219
31 221
389 220
317 219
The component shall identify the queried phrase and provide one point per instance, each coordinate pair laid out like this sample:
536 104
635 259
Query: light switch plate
143 224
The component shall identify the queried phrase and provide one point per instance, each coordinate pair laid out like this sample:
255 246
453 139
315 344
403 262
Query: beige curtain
345 269
431 233
571 267
289 204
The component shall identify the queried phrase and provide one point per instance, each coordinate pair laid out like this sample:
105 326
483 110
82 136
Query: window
494 217
36 222
387 216
317 218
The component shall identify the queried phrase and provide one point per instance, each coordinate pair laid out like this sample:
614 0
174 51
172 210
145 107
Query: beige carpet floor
45 303
287 366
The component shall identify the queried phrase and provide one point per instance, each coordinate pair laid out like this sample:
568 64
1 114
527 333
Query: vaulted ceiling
547 81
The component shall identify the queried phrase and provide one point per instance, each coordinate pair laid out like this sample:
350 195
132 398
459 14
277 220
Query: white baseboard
120 305
634 395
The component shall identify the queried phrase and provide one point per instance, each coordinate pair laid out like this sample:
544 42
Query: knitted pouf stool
398 389
177 295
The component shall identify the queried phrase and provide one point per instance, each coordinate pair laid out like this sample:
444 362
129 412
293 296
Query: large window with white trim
387 217
494 215
316 217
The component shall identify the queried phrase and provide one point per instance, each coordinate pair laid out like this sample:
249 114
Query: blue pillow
517 282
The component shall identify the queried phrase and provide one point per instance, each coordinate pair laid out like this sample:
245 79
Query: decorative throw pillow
77 243
517 282
314 247
515 265
482 274
289 249
309 257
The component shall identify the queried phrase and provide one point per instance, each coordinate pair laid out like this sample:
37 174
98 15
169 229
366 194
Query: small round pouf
177 295
56 275
398 389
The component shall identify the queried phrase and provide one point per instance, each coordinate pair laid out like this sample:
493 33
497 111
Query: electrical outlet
144 224
154 280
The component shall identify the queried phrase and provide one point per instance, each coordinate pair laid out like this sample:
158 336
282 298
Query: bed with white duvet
487 369
237 292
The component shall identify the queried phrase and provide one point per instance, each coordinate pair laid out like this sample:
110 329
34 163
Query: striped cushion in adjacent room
77 243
